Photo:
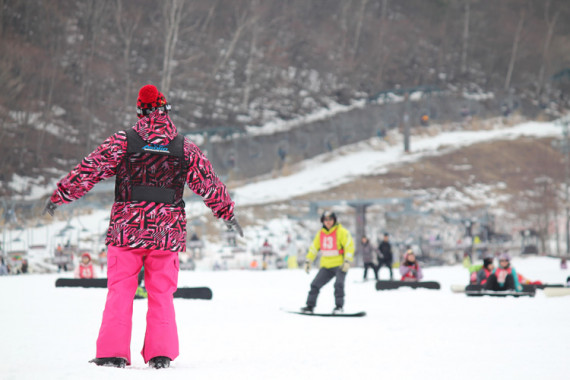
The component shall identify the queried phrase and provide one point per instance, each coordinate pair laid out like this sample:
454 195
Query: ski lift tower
424 91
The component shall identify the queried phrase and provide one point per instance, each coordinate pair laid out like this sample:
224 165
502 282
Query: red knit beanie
149 98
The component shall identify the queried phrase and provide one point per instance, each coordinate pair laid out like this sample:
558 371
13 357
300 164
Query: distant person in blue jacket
504 277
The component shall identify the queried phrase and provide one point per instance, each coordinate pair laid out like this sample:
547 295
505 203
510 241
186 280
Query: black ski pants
374 269
493 284
321 279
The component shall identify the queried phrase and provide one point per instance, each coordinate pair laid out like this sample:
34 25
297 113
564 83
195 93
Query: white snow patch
50 333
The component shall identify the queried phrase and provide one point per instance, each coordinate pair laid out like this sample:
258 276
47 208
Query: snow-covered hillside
327 171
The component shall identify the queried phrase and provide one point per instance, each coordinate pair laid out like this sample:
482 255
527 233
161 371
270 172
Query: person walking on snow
368 257
410 269
385 255
337 252
152 163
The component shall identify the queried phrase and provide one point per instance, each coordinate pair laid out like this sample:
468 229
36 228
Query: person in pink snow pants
151 163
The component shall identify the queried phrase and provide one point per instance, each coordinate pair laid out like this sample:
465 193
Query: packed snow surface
243 333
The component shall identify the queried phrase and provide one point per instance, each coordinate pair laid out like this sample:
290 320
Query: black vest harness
151 172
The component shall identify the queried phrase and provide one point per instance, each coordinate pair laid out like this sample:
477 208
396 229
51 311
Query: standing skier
385 255
368 256
152 163
337 252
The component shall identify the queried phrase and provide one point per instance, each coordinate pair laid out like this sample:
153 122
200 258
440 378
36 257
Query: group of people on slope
501 278
336 246
375 259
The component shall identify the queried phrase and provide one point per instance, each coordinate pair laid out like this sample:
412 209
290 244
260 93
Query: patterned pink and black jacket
143 224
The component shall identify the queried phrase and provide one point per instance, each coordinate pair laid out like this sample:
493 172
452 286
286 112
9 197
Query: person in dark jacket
151 163
368 256
385 256
484 273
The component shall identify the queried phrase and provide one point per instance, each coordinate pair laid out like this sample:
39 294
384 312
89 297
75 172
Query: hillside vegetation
70 70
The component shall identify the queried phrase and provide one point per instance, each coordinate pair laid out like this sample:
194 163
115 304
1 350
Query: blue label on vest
156 148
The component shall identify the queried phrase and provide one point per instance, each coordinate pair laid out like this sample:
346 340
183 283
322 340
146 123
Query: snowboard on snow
81 282
389 285
349 315
201 293
499 293
547 286
204 293
457 288
479 290
557 292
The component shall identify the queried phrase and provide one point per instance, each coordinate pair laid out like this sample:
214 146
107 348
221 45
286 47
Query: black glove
233 224
50 208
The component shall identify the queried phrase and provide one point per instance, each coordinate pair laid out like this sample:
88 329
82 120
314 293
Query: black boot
110 362
338 310
159 362
307 309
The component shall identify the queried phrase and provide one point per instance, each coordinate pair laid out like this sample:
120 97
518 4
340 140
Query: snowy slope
50 333
318 175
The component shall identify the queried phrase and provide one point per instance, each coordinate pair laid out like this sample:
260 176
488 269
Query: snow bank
50 333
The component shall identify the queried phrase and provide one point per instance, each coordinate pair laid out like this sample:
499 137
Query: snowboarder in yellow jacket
337 252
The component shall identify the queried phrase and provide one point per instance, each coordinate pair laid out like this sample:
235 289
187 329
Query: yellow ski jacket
336 246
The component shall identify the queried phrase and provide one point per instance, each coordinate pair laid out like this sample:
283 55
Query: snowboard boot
110 362
159 362
338 310
307 309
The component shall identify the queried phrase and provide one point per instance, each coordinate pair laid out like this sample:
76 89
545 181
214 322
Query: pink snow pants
161 279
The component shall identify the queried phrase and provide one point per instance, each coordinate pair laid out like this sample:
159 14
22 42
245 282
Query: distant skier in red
85 267
152 163
409 268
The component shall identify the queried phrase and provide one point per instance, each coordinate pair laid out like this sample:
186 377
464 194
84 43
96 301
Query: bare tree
1 17
243 22
515 48
172 12
344 16
126 27
250 60
467 15
359 25
381 37
550 24
94 16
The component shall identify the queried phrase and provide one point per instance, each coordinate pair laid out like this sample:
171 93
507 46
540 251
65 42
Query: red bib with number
86 271
328 244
